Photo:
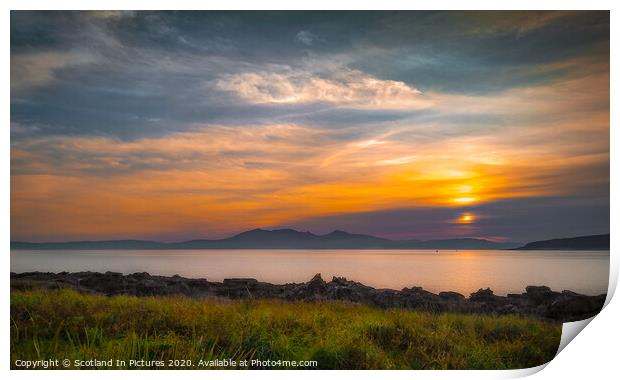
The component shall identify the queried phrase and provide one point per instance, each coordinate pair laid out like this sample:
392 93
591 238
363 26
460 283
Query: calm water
463 271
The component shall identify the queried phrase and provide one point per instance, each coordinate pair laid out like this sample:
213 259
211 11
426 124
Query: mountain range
591 243
292 239
279 239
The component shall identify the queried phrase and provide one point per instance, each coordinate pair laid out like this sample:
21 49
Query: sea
463 271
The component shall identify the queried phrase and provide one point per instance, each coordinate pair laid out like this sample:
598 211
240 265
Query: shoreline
538 301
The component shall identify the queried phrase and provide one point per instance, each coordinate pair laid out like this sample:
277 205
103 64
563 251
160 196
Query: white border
593 354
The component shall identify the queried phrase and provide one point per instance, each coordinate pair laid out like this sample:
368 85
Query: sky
171 126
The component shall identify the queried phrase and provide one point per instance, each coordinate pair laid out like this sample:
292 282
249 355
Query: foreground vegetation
69 325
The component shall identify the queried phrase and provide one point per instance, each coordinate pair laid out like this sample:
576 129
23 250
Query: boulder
483 295
452 296
540 294
571 306
316 284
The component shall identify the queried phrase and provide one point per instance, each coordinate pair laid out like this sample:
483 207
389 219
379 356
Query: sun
466 218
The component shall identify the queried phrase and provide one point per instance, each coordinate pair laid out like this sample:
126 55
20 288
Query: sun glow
290 180
466 218
464 200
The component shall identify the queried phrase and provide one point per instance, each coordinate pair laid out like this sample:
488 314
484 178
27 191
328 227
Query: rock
339 288
151 287
317 284
388 298
139 275
452 296
420 295
482 295
569 293
240 281
238 288
537 301
572 307
108 284
539 294
508 309
537 289
343 292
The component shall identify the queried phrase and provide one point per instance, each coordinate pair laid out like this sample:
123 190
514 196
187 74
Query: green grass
67 324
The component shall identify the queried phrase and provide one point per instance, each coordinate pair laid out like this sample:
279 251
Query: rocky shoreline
537 301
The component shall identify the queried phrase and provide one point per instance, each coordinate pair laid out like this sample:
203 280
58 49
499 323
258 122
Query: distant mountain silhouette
257 238
591 243
464 243
279 239
102 244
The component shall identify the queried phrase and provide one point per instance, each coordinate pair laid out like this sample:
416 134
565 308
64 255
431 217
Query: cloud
229 178
156 123
31 70
519 22
204 147
577 93
346 87
135 73
111 14
306 37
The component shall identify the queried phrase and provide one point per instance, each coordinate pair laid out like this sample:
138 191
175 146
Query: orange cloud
214 180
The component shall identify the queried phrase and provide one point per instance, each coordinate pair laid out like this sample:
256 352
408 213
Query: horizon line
301 232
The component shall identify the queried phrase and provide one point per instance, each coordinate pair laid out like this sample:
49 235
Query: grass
66 324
